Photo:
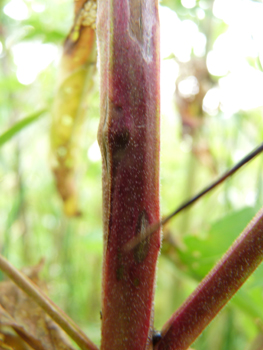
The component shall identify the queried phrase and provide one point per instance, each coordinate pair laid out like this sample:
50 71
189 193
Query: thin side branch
47 305
151 229
216 289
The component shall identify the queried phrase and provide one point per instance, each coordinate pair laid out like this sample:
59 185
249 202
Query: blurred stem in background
77 67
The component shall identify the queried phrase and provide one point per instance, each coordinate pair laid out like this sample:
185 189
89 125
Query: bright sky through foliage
31 58
240 84
189 4
94 152
16 9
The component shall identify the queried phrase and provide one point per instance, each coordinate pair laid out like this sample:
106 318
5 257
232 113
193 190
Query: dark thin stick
136 240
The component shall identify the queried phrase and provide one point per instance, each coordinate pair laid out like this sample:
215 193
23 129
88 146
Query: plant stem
128 33
77 67
217 288
151 229
46 304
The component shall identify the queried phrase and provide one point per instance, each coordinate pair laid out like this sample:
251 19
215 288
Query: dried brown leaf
20 313
75 81
9 340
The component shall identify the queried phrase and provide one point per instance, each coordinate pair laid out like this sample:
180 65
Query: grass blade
19 126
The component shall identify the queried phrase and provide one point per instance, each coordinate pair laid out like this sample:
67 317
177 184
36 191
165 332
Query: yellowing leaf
77 67
18 312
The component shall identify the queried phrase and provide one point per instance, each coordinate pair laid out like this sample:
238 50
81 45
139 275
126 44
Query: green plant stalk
217 288
128 42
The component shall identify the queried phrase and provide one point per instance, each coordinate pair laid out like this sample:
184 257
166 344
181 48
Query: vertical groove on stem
128 41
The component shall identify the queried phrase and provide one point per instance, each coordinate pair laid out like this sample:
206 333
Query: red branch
216 289
128 33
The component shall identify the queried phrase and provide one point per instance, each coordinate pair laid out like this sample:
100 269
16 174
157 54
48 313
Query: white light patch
94 154
189 4
1 48
188 87
169 29
16 9
241 91
227 9
200 13
211 101
31 58
169 74
245 31
179 37
199 44
230 51
38 7
251 198
217 64
185 40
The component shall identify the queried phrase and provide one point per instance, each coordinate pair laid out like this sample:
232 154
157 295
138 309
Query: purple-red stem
216 289
128 33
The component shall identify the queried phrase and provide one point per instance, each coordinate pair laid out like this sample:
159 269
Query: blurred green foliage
32 223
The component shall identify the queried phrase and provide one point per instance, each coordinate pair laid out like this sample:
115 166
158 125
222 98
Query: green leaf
202 253
7 135
248 304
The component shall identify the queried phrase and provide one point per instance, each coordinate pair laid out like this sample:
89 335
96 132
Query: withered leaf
33 328
75 81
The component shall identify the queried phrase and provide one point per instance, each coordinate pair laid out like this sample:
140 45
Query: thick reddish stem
128 32
216 289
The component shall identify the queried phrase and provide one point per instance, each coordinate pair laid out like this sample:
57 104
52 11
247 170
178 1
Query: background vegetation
211 117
